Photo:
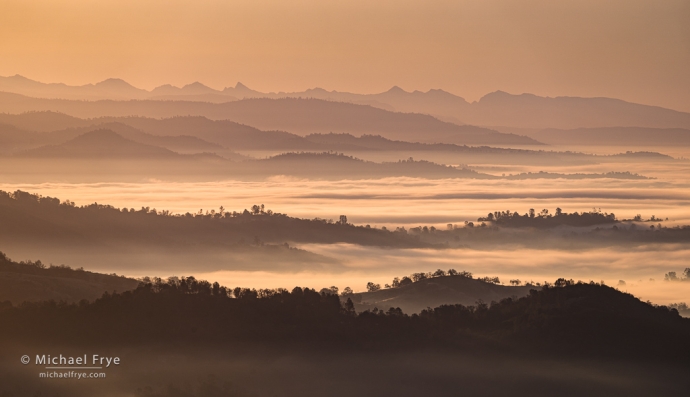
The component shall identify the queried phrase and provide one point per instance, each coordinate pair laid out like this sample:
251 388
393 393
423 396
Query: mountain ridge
300 116
550 112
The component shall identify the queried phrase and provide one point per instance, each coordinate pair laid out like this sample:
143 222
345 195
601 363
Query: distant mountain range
494 109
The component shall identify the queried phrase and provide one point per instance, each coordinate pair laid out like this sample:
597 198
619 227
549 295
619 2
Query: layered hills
494 109
99 144
196 134
106 154
300 116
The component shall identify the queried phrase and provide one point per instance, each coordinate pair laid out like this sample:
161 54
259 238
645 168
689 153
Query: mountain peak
100 136
198 88
316 89
19 77
114 82
396 90
502 96
99 143
196 84
241 87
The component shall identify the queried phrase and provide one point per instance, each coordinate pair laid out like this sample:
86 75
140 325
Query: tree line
673 276
416 277
546 219
28 216
566 317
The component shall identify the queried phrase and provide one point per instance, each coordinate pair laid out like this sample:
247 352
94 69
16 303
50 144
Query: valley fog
389 202
399 202
318 198
409 202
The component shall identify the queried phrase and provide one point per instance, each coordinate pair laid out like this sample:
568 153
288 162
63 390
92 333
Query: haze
238 198
633 50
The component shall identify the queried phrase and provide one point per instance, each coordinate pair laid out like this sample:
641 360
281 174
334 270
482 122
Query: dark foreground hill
434 292
587 320
35 281
191 338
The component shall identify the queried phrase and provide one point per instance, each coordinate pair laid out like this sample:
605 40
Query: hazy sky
631 49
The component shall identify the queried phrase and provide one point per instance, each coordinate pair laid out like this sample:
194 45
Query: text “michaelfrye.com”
72 367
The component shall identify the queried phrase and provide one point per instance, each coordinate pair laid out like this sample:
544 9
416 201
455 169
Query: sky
636 50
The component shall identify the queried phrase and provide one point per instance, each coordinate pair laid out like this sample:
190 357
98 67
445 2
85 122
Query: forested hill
544 219
435 290
31 218
575 319
35 281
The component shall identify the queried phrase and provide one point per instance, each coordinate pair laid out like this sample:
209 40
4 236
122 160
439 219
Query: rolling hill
434 292
99 144
227 133
35 281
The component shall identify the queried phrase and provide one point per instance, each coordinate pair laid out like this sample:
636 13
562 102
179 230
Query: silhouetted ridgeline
577 319
191 134
544 219
92 148
496 108
349 142
554 175
26 218
36 281
330 165
545 234
301 116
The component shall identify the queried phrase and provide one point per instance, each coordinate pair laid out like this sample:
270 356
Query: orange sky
630 49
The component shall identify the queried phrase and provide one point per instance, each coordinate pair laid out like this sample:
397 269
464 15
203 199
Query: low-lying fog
641 269
394 202
390 202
